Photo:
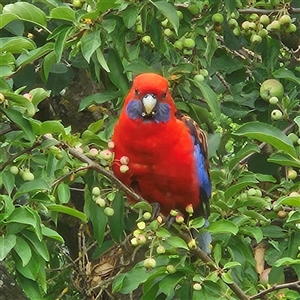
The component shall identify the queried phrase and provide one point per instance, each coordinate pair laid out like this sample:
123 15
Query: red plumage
162 166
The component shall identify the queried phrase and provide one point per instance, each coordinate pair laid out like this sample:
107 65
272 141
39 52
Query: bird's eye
136 91
164 95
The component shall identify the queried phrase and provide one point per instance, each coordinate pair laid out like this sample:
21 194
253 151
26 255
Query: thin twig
261 11
290 285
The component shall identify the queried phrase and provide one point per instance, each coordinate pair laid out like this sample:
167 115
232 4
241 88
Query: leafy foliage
57 229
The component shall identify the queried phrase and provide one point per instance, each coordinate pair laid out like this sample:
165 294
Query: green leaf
61 39
284 160
63 192
68 211
98 98
268 134
7 242
90 43
231 264
63 13
22 101
28 216
16 44
27 12
8 180
243 153
117 77
252 231
6 18
105 5
48 232
30 56
223 226
31 287
287 200
52 126
286 261
116 222
38 245
211 98
32 268
32 187
212 46
23 250
177 242
101 60
169 11
297 121
226 277
143 205
162 233
286 74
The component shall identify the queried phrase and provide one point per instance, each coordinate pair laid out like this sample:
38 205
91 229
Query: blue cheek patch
134 110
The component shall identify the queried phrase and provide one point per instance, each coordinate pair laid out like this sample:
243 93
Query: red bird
167 151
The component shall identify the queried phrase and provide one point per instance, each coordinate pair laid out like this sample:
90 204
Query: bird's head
149 99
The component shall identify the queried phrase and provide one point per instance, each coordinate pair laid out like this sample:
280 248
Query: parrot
166 150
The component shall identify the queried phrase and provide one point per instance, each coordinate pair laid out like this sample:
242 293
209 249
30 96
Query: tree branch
291 285
261 11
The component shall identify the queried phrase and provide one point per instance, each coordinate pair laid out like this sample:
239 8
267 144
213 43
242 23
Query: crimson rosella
167 151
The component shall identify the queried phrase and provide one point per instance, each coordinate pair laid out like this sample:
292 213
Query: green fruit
96 191
292 174
124 168
187 52
263 32
273 100
109 211
27 176
251 192
293 137
146 39
199 78
141 239
171 269
100 201
276 114
285 20
270 88
147 215
178 45
192 244
252 25
149 263
264 19
168 32
160 250
77 3
203 72
139 28
179 14
246 25
236 31
194 9
282 214
14 170
255 39
197 286
218 18
2 98
291 28
165 23
254 17
189 43
274 26
233 23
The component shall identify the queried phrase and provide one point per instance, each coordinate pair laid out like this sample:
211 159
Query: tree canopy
66 229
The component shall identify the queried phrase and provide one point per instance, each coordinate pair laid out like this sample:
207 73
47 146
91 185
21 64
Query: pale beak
149 102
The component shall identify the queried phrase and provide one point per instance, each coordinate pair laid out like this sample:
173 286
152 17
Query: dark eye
136 91
164 95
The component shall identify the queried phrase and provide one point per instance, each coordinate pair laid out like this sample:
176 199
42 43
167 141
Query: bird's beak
149 103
